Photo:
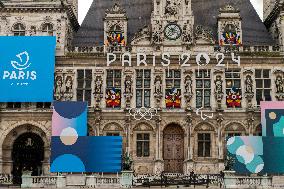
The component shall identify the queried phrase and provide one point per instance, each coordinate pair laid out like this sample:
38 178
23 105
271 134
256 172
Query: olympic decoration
230 38
173 98
113 98
115 39
143 113
234 98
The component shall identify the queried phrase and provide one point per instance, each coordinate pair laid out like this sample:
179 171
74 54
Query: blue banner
27 68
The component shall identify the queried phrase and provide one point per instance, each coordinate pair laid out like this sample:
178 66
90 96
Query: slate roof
139 14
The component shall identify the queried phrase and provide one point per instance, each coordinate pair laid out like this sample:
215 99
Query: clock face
172 31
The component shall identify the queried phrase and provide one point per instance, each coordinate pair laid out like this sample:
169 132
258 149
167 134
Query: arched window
47 29
19 30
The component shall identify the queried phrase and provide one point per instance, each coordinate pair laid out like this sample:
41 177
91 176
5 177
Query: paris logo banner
260 154
70 143
27 68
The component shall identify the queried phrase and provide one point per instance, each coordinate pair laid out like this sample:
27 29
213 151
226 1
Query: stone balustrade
224 49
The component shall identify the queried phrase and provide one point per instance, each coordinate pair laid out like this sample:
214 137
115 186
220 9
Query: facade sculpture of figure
68 94
128 85
158 85
188 84
58 90
98 85
279 85
218 85
157 32
249 84
186 34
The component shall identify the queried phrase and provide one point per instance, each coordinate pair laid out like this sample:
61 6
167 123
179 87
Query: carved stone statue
128 90
172 7
68 93
158 85
279 84
157 32
188 91
219 85
186 33
98 85
128 85
58 90
188 84
249 84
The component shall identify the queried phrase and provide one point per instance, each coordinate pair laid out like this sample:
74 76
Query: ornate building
197 101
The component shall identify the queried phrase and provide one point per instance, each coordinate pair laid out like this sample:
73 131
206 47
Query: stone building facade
187 110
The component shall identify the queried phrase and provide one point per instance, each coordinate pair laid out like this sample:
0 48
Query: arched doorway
27 155
173 151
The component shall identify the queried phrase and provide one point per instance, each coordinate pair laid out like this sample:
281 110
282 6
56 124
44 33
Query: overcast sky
84 6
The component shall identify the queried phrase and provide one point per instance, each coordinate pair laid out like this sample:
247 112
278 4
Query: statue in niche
68 94
218 85
58 91
128 85
69 84
248 83
98 85
186 34
158 85
157 32
279 85
188 84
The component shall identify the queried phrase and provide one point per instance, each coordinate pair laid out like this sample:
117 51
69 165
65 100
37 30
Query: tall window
173 89
47 29
233 88
113 91
204 144
263 85
143 88
84 89
13 105
19 30
203 88
143 145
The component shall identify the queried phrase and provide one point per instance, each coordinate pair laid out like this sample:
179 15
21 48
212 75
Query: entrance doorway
173 151
27 156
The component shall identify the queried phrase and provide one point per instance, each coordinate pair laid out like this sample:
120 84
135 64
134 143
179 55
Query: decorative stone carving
204 33
158 94
172 7
188 89
219 94
249 94
249 84
58 87
98 89
142 34
279 84
157 32
33 31
68 85
128 92
187 33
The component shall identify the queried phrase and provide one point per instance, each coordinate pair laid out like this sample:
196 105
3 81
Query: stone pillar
128 132
158 159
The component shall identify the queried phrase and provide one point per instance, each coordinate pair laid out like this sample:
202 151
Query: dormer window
115 37
230 36
47 29
229 26
115 26
19 29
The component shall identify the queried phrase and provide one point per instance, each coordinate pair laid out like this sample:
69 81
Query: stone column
158 159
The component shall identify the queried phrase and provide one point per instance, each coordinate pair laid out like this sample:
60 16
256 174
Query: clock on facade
172 31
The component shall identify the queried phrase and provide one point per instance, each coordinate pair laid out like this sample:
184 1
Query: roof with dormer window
91 32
